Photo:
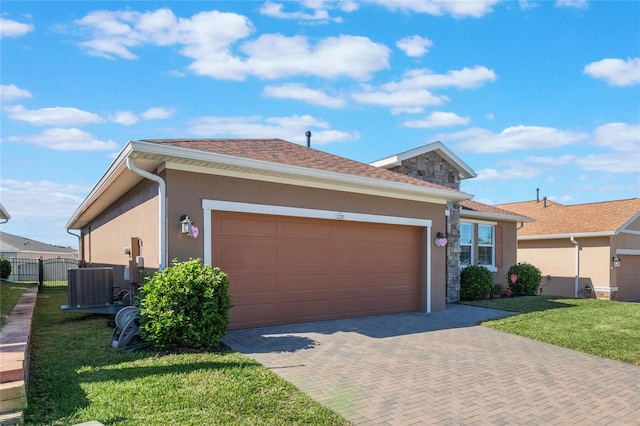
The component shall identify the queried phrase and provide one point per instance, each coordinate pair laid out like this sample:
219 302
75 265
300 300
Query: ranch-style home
583 250
304 235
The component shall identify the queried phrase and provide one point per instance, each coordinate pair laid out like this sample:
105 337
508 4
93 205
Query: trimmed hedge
476 283
185 306
528 279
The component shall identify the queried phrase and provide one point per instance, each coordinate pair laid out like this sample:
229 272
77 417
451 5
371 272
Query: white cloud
66 140
302 93
275 56
576 4
56 116
616 72
11 28
126 118
457 9
320 13
615 162
526 4
438 119
512 170
551 161
27 200
619 137
517 138
11 92
466 78
288 128
208 39
400 101
414 46
157 113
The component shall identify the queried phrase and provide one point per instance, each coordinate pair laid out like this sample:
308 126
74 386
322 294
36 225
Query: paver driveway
441 368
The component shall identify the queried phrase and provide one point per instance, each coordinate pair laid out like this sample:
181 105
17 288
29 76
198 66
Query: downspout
162 195
79 241
577 265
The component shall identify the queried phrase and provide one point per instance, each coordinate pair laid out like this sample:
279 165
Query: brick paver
441 368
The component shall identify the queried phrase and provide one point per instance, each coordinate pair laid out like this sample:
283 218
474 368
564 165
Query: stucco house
583 250
15 246
304 235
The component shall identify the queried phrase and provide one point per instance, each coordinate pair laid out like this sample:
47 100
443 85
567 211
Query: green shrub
476 283
5 268
528 279
185 306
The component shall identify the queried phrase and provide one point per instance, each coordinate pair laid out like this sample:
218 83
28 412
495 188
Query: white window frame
472 244
492 266
475 243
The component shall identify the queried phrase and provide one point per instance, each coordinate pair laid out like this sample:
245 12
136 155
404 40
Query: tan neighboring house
583 249
14 246
304 235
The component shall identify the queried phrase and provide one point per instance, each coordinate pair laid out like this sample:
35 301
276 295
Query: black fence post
40 275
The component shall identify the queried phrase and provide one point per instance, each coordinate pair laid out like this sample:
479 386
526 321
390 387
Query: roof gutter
577 262
162 207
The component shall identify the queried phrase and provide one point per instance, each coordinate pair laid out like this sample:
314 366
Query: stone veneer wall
431 167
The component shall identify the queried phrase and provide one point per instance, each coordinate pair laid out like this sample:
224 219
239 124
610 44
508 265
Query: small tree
476 282
185 306
5 268
524 279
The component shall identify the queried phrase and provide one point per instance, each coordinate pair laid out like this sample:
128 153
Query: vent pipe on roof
308 135
545 201
537 195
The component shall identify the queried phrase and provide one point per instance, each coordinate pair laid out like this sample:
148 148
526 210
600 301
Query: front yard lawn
77 377
9 295
599 327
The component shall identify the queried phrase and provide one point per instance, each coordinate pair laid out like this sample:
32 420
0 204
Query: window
466 244
477 245
486 245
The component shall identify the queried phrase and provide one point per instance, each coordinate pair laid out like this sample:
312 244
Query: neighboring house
304 235
477 234
14 246
583 249
4 215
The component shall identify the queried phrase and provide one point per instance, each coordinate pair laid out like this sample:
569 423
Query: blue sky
530 94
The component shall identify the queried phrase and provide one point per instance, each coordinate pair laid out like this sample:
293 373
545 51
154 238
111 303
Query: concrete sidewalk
442 368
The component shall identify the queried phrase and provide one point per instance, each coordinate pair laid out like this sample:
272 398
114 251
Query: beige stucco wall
556 259
185 192
134 215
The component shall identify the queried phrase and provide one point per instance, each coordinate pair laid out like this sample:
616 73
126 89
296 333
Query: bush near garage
476 283
524 279
5 268
185 306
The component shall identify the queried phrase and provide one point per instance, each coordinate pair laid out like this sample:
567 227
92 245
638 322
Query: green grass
599 327
9 295
76 377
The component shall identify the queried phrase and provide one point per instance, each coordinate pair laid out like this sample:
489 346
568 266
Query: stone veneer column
432 168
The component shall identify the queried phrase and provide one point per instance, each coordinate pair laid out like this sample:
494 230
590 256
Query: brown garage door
286 269
628 279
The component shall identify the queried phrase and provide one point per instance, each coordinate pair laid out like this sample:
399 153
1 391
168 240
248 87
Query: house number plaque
340 216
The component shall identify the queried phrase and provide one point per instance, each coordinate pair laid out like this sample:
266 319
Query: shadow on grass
524 304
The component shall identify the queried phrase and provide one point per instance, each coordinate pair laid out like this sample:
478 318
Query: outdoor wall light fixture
187 226
440 240
615 260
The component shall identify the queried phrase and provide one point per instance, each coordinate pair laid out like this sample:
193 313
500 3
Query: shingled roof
279 151
480 208
16 243
603 218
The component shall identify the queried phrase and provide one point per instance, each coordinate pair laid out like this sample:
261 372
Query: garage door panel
265 226
315 269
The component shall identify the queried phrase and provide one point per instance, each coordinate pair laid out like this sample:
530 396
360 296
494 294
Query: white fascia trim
629 231
562 236
396 160
232 206
422 192
627 223
117 163
631 252
481 222
494 216
606 289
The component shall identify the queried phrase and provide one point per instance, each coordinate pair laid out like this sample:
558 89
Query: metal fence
49 273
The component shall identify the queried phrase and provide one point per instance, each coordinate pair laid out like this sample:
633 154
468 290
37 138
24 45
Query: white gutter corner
162 207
